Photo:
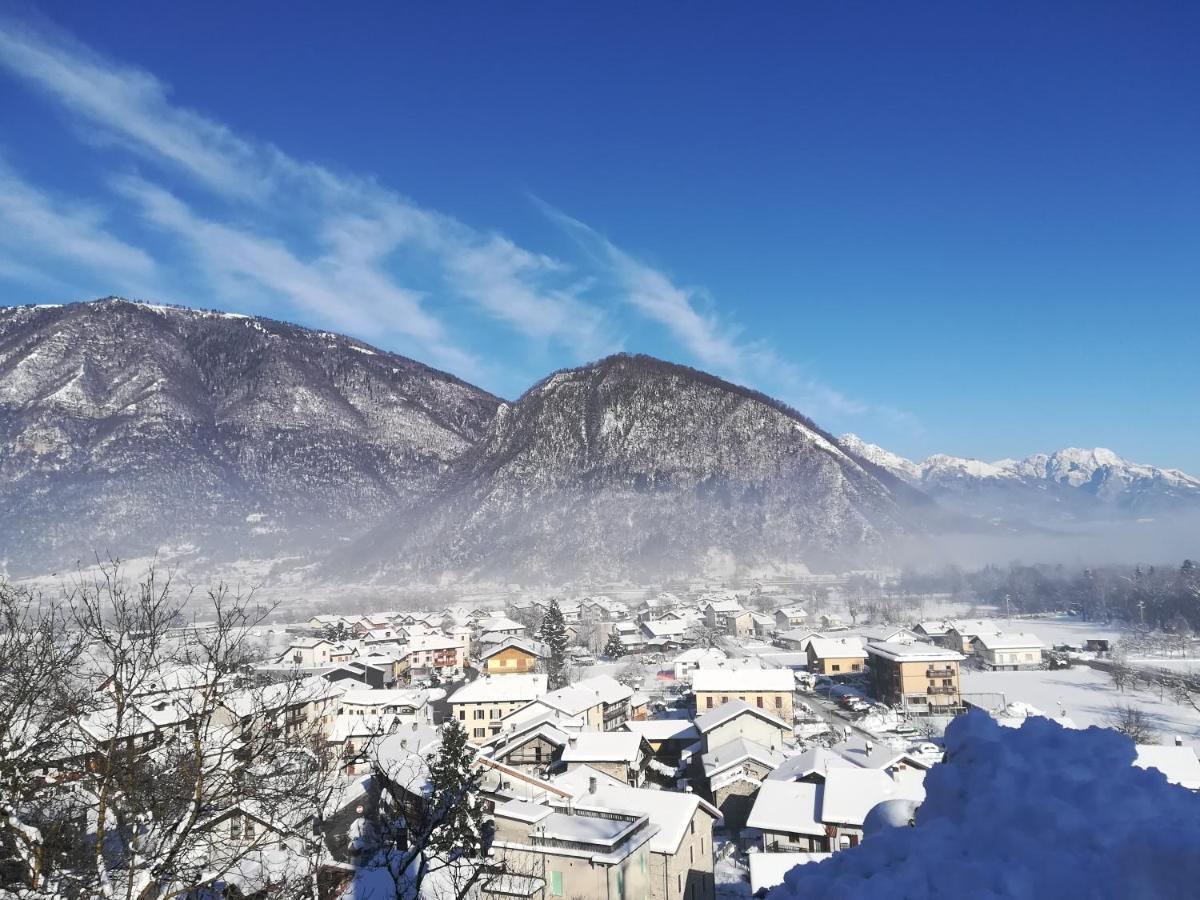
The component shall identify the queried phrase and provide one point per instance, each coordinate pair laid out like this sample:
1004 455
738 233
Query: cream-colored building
480 705
1007 650
767 689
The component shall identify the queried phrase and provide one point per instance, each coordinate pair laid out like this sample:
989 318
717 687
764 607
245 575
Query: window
708 702
779 701
857 667
691 856
724 699
692 827
480 732
759 700
479 714
836 667
494 714
556 887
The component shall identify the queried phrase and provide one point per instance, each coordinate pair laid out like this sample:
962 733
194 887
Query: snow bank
1035 811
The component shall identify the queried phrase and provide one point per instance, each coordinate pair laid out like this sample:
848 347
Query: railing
940 673
942 690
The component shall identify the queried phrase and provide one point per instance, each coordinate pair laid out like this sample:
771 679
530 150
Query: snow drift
1035 811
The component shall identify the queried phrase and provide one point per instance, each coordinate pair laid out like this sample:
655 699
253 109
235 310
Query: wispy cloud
272 231
357 224
35 224
716 344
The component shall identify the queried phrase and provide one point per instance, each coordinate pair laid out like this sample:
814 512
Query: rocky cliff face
633 467
125 426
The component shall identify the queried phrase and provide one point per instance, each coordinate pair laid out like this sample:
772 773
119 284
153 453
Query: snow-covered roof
384 697
974 627
695 654
918 651
724 606
500 623
663 729
525 687
815 760
583 695
849 647
523 811
424 642
850 793
1010 640
528 645
736 751
665 627
789 806
603 746
734 708
1179 764
875 754
753 680
671 811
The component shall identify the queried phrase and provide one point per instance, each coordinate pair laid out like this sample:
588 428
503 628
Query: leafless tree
1132 722
178 769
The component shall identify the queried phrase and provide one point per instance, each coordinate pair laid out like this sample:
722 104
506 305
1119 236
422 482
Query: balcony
940 673
947 689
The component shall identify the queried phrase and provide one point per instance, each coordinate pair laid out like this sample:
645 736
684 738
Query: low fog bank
1160 540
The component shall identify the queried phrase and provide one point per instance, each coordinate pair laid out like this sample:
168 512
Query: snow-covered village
599 451
688 744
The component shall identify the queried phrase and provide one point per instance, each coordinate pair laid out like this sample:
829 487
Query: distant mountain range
126 426
1047 489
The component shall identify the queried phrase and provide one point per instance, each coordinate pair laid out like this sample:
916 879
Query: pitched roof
837 648
793 807
528 645
734 708
851 793
1009 640
814 761
603 746
733 752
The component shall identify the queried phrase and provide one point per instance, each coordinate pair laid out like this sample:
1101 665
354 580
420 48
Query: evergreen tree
614 649
454 821
554 635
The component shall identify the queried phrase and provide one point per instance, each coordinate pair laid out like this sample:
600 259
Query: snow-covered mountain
1068 484
126 426
637 467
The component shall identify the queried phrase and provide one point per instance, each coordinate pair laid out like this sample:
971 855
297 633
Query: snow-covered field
1086 695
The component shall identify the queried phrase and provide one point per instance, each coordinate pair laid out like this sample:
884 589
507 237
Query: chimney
592 784
869 746
414 726
1178 740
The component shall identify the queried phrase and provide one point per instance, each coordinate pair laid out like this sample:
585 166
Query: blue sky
962 228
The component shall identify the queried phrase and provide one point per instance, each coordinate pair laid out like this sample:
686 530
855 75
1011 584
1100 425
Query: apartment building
918 677
570 850
480 705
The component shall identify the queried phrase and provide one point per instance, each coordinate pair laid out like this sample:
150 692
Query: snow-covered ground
1086 695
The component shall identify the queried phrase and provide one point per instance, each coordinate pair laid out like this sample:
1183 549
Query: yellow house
836 656
512 656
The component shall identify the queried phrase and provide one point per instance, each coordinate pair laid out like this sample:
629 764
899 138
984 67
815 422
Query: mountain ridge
1080 481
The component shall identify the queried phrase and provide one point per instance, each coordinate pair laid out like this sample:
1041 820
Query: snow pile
1035 811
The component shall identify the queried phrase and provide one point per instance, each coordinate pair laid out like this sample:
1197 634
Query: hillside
634 467
126 426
